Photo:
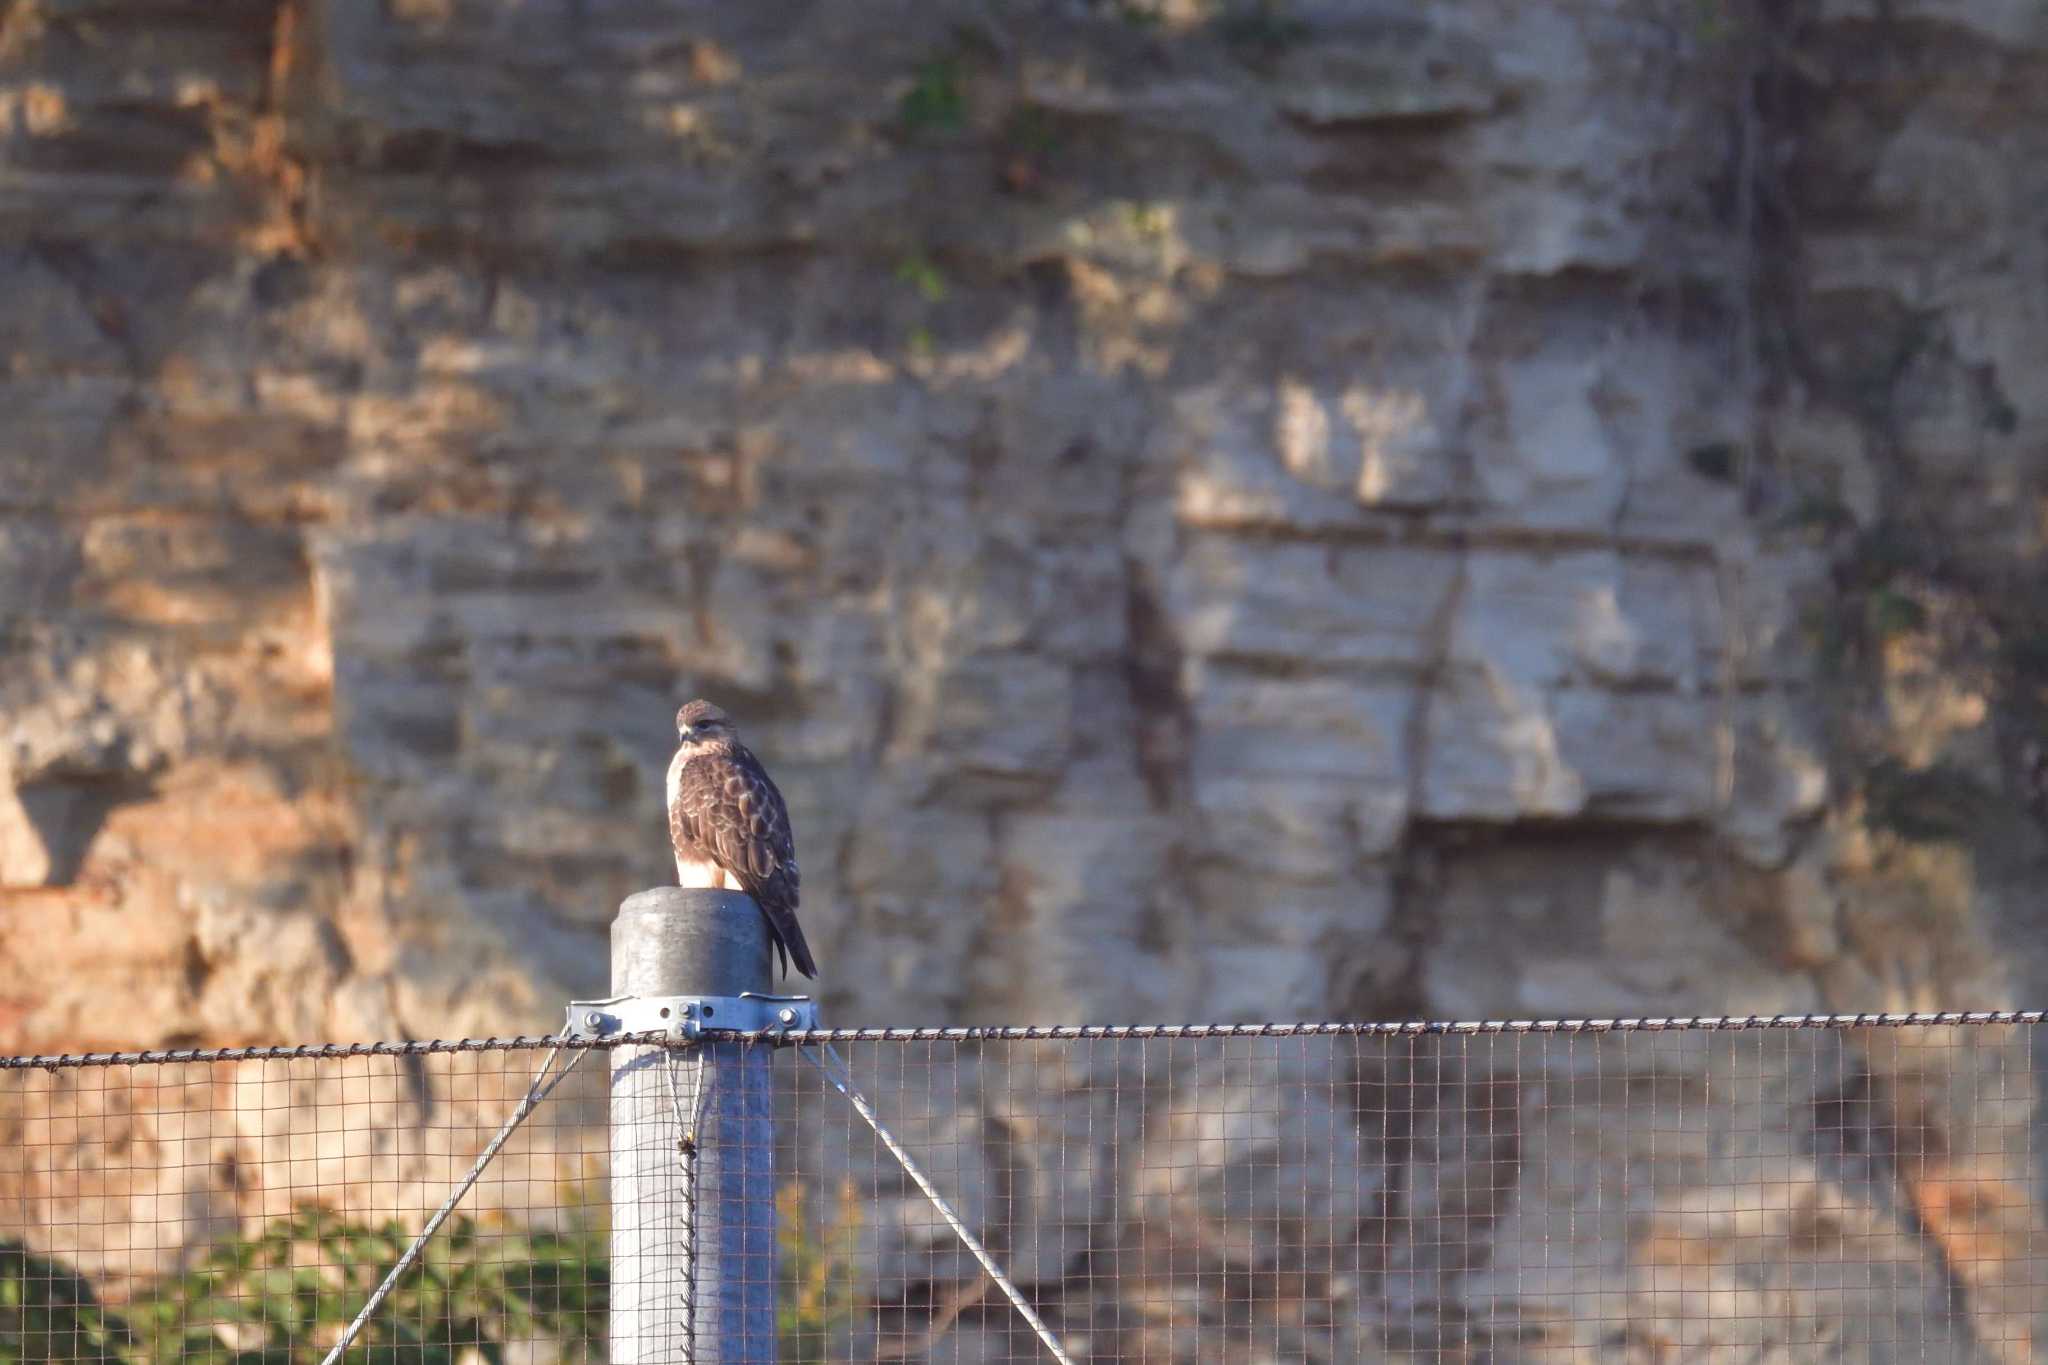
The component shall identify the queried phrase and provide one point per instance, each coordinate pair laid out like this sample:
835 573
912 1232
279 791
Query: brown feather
727 811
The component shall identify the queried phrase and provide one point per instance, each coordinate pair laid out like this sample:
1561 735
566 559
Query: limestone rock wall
1310 510
1146 484
1228 511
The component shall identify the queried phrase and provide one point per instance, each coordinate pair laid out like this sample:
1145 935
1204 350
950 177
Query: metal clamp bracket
685 1017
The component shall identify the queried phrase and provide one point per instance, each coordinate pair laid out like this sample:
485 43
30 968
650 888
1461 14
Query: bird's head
699 722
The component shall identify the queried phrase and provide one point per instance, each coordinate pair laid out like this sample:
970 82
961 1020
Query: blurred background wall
1218 510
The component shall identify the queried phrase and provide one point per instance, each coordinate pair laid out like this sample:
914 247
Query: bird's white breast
675 778
689 871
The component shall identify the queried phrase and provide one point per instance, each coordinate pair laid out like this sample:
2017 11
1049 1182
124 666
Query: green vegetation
49 1313
1149 221
918 271
820 1290
1882 577
283 1297
1894 613
936 100
924 278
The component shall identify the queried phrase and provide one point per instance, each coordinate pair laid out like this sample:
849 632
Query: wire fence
1809 1189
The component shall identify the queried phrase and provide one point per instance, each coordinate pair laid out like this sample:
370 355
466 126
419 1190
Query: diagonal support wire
543 1085
842 1081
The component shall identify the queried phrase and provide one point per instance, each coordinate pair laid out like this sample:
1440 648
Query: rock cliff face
1267 513
1223 512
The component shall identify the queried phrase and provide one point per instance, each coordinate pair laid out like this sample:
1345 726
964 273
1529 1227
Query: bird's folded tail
788 936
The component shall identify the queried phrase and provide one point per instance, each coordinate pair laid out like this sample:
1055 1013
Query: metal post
707 1106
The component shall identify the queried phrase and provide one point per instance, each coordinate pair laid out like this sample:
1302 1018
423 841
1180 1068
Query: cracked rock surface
1482 509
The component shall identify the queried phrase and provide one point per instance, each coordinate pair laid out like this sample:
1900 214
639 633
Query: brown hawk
730 828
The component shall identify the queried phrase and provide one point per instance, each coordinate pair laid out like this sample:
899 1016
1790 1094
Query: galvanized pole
693 1274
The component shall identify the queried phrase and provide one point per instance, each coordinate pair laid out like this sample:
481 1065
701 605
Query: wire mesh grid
1653 1194
245 1210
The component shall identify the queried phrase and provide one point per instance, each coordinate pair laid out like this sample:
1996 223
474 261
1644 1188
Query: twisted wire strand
688 1128
1038 1033
327 1051
1407 1028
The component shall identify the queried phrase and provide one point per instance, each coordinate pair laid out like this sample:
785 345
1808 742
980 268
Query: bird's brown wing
727 811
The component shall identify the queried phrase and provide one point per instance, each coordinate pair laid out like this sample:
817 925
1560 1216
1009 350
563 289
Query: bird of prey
730 828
